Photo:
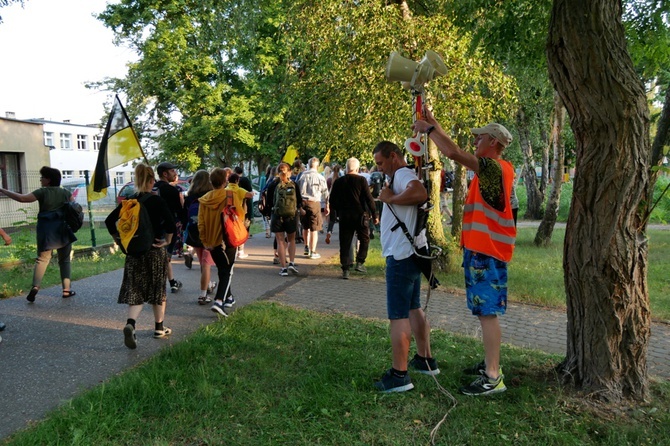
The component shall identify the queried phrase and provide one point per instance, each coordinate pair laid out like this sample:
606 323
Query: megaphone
416 74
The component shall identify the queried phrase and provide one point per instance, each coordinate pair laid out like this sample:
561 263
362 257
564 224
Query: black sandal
68 293
32 294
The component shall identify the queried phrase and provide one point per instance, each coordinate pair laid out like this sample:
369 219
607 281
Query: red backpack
234 231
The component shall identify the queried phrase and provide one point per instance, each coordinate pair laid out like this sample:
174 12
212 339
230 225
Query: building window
49 139
82 142
10 173
68 174
66 141
97 139
119 178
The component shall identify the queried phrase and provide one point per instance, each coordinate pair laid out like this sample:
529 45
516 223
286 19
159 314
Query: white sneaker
242 255
315 255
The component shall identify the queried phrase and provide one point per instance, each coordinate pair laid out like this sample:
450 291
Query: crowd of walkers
298 204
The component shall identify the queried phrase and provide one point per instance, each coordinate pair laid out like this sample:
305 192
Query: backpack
263 207
376 181
192 234
235 232
73 215
286 201
424 252
143 237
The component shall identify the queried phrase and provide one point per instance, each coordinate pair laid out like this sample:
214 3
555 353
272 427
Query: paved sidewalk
56 348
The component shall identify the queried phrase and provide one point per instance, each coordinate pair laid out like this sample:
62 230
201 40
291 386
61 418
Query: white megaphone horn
416 74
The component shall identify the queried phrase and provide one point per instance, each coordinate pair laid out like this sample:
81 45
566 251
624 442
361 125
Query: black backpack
144 235
286 200
192 232
73 214
263 207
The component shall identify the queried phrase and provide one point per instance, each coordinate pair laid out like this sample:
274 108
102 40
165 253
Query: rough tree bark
533 193
605 251
458 199
546 229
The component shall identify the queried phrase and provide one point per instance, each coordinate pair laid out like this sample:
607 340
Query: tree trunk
458 200
605 251
434 226
543 235
660 140
533 194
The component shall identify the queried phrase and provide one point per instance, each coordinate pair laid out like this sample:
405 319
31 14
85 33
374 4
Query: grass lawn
536 274
274 375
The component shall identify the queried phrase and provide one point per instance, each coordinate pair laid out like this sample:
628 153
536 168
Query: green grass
18 279
536 274
273 375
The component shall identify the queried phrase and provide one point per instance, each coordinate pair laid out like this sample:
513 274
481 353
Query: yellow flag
326 159
118 146
290 156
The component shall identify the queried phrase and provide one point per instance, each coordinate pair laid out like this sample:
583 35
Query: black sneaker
484 385
390 383
229 302
427 366
292 268
129 337
188 260
306 251
477 369
218 308
175 285
283 272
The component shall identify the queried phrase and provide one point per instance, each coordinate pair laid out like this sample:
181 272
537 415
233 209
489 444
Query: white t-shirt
394 243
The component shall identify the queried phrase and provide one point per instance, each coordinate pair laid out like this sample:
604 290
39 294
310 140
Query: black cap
162 167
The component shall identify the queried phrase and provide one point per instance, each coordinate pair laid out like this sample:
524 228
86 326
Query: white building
74 150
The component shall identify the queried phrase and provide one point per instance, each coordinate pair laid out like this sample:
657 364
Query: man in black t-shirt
245 183
350 196
167 173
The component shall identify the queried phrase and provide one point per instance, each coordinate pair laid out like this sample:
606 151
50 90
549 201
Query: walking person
211 235
167 174
283 197
350 197
144 275
239 197
248 216
52 231
403 275
488 238
200 185
313 189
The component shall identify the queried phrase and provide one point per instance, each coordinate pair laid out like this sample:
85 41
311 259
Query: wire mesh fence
19 219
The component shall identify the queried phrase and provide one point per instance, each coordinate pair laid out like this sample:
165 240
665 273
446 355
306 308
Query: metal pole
91 223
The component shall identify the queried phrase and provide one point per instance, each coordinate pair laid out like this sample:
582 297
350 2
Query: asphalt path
55 348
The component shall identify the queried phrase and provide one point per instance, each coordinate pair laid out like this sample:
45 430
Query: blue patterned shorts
485 284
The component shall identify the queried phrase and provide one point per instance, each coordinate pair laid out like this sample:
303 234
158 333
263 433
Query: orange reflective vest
485 229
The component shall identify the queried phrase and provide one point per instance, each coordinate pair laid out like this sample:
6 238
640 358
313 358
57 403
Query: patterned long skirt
144 278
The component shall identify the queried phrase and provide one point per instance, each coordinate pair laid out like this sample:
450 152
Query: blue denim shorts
485 284
403 287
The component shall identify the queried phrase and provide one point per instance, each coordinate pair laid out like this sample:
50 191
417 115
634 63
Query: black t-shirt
170 195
